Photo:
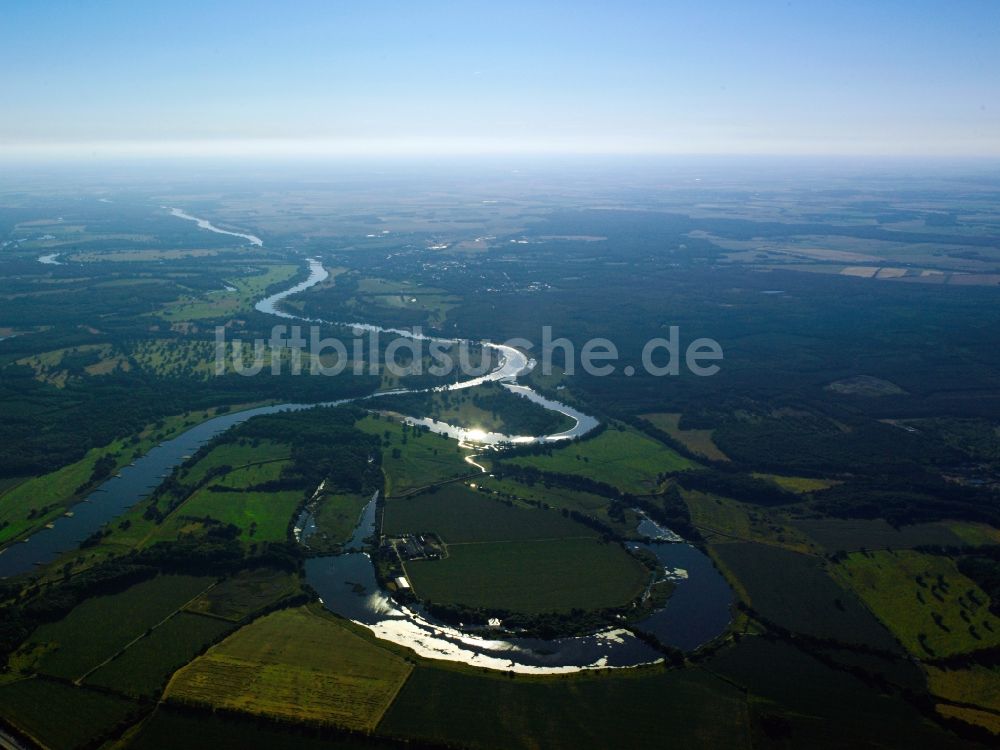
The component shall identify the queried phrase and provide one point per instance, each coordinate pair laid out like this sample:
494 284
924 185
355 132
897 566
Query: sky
879 77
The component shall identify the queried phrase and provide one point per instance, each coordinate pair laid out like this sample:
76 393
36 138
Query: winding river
698 610
512 362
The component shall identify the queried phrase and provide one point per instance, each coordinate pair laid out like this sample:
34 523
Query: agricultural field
973 686
146 665
244 593
932 609
624 458
985 719
721 520
788 688
457 513
794 591
298 664
100 627
626 710
561 498
61 716
974 534
170 728
235 454
56 233
696 441
531 577
413 458
852 534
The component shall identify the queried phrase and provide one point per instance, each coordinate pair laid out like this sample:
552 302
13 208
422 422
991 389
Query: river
698 610
511 363
210 227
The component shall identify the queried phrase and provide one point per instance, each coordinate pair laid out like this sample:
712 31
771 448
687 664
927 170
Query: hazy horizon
225 79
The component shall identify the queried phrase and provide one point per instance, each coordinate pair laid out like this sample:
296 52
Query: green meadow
625 458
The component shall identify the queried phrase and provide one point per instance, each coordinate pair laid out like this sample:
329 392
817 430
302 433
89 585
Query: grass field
401 294
626 459
49 368
928 605
531 576
60 716
696 441
153 254
235 454
195 359
688 708
145 666
976 685
297 664
721 520
99 627
254 474
175 357
796 484
335 518
261 516
244 593
794 591
974 534
247 290
562 498
457 513
412 459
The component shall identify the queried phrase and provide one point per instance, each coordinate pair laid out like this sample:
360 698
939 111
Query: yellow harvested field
984 719
975 533
697 441
864 272
976 685
298 664
891 273
797 484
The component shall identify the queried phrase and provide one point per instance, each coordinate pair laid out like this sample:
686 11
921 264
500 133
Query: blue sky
877 77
